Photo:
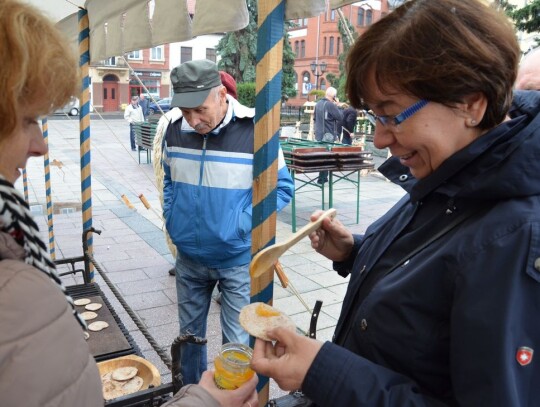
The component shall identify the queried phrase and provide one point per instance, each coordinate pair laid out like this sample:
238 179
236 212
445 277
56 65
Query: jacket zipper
199 203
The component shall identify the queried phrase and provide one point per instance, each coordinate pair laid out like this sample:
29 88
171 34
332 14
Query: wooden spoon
269 255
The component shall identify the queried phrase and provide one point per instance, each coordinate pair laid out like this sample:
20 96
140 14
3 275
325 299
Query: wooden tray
146 370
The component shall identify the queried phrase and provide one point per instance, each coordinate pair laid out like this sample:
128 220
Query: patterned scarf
16 219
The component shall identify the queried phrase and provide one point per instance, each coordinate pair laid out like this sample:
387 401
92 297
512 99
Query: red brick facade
317 39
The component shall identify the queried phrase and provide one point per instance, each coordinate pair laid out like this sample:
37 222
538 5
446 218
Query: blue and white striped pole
84 127
267 114
48 192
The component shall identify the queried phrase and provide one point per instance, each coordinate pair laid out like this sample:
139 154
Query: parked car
164 104
71 108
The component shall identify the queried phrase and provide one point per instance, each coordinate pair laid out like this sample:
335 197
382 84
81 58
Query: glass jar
232 366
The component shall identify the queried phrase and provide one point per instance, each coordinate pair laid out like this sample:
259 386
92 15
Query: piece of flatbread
87 315
97 326
259 317
82 301
93 306
124 373
114 388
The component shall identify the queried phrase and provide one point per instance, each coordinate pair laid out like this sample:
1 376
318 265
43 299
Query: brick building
113 83
316 41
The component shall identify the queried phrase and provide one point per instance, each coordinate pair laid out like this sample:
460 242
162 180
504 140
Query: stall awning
117 27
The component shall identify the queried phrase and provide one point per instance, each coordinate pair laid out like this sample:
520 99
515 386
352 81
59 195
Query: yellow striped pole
25 185
271 15
84 127
47 167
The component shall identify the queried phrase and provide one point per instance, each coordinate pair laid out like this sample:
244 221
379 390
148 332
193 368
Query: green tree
344 25
526 18
238 51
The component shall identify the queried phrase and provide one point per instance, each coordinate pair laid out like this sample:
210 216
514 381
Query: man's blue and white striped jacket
207 198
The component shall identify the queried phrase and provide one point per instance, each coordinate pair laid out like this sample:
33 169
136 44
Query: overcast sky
57 9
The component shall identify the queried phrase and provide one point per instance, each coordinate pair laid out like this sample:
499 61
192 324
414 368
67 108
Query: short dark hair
439 50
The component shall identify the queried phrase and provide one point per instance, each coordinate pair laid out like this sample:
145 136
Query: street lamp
315 70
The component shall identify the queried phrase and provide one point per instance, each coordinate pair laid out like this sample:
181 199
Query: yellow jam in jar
232 366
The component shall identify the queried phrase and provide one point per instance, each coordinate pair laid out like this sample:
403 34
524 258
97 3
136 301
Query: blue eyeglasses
400 118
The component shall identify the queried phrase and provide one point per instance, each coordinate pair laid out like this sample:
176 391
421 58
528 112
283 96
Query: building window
305 22
333 15
211 54
331 46
369 17
323 84
110 62
324 46
135 55
186 54
360 19
303 49
297 49
156 54
338 47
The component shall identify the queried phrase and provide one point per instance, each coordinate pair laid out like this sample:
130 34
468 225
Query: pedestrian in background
133 114
207 204
444 293
328 121
230 84
349 124
143 103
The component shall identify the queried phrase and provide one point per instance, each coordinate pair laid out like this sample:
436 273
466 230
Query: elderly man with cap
207 204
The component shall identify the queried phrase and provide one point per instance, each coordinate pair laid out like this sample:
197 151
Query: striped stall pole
267 111
84 127
25 185
47 167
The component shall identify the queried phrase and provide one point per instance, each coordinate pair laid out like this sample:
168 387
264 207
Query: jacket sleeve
336 113
338 377
192 395
285 184
345 267
127 114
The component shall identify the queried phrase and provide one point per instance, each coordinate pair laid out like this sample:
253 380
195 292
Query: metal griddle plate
110 342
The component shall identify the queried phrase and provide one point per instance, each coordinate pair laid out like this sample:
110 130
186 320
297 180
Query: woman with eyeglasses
444 294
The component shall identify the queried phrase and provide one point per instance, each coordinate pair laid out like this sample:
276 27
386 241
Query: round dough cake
124 373
82 301
97 326
93 306
259 317
116 388
87 315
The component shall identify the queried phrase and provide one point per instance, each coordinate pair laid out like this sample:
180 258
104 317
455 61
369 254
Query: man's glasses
400 118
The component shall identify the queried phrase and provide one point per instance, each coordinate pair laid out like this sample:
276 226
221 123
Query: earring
473 122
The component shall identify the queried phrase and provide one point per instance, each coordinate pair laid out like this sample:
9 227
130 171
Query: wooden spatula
268 256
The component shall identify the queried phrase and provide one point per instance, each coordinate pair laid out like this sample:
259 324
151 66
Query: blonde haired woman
44 358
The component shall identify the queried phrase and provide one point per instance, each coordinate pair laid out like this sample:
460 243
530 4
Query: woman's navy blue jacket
459 323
